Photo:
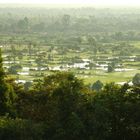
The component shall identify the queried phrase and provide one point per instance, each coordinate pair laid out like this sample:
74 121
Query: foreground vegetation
62 107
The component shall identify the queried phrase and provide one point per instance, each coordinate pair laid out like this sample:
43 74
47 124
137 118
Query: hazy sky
94 2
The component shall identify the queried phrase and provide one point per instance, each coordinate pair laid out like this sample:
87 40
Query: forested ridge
61 106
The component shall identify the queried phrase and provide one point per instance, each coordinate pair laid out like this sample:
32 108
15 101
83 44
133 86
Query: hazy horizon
100 3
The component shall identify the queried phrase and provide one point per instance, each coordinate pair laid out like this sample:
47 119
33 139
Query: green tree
110 68
6 92
66 20
136 79
23 24
14 53
97 85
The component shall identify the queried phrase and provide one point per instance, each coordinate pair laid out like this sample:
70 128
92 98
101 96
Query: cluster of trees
61 107
7 94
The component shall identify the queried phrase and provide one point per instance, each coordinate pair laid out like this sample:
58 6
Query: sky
93 2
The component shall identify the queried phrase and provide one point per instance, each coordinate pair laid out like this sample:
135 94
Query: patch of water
10 62
123 69
23 73
25 68
20 81
122 83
